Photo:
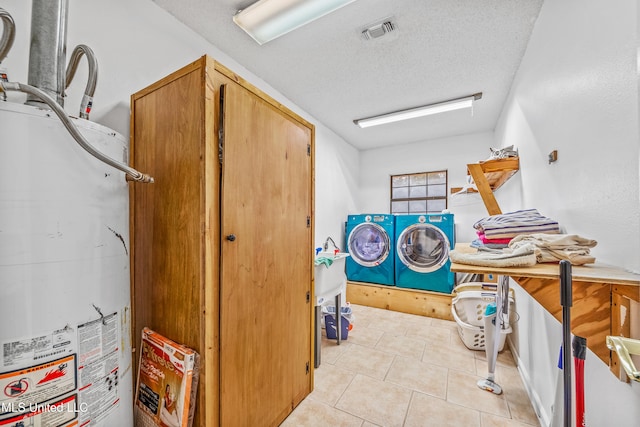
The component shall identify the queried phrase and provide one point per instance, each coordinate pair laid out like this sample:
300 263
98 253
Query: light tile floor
398 369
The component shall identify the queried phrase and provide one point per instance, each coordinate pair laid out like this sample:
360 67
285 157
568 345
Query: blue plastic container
330 326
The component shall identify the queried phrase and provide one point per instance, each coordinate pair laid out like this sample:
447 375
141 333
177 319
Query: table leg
338 318
318 337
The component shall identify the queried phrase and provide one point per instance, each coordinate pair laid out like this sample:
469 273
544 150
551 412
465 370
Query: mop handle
566 298
566 302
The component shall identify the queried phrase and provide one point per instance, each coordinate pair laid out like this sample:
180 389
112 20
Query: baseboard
543 417
411 301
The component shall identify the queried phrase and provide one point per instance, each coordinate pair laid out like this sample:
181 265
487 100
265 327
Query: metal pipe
48 49
326 244
8 33
132 174
76 55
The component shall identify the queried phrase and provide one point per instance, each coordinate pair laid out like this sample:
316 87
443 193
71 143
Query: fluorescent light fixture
266 20
425 110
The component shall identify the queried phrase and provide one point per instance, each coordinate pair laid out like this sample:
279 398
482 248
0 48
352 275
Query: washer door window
369 244
423 248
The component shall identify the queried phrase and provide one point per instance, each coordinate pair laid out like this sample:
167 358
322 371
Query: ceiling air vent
378 30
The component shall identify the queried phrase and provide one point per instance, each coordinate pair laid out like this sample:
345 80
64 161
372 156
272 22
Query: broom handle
579 356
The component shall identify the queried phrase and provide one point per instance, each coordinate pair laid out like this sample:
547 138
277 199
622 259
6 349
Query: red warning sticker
37 384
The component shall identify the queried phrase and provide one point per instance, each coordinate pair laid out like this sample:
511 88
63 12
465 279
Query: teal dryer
423 243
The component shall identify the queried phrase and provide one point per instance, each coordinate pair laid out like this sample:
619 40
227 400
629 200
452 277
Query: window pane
437 177
418 179
399 207
400 193
418 206
439 190
415 192
436 205
418 187
400 181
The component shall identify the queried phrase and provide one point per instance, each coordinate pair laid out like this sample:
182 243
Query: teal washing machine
370 242
423 243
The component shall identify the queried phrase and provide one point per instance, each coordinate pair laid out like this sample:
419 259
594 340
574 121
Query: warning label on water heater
23 352
98 368
61 413
22 390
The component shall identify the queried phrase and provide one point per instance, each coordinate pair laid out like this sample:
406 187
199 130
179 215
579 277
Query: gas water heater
65 315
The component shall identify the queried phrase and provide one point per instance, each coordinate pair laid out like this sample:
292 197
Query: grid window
419 193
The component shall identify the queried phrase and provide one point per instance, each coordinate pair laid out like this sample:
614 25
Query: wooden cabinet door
266 261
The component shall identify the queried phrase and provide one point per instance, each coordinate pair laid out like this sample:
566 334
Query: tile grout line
406 332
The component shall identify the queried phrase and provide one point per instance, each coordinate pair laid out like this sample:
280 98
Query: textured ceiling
442 49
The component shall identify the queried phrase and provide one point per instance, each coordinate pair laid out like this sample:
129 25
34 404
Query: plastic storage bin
331 309
331 327
468 308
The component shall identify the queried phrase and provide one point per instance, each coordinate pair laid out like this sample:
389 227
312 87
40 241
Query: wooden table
600 292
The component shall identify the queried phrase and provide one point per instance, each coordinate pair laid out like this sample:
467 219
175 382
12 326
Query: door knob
231 237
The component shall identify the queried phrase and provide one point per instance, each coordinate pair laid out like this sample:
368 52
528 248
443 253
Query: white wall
137 43
336 186
577 91
452 154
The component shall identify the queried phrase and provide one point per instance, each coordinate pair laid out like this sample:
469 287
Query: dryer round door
423 248
369 244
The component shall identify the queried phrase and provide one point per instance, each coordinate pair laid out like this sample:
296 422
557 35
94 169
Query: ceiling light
266 20
425 110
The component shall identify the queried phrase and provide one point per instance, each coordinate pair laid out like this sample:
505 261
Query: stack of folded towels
497 231
523 238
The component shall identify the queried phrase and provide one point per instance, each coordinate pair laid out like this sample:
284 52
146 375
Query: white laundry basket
468 308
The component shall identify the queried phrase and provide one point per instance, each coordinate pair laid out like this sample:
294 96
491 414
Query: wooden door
266 261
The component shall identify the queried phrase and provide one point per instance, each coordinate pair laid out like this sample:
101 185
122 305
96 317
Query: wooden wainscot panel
590 312
411 301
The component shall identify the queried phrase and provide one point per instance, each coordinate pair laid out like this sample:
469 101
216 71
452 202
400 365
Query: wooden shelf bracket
489 176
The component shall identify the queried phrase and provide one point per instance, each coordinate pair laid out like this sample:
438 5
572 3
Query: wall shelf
602 296
488 176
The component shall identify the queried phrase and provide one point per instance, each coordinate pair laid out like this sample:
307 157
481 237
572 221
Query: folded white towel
556 247
523 256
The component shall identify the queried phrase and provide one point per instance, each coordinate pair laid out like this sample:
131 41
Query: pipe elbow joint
142 177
